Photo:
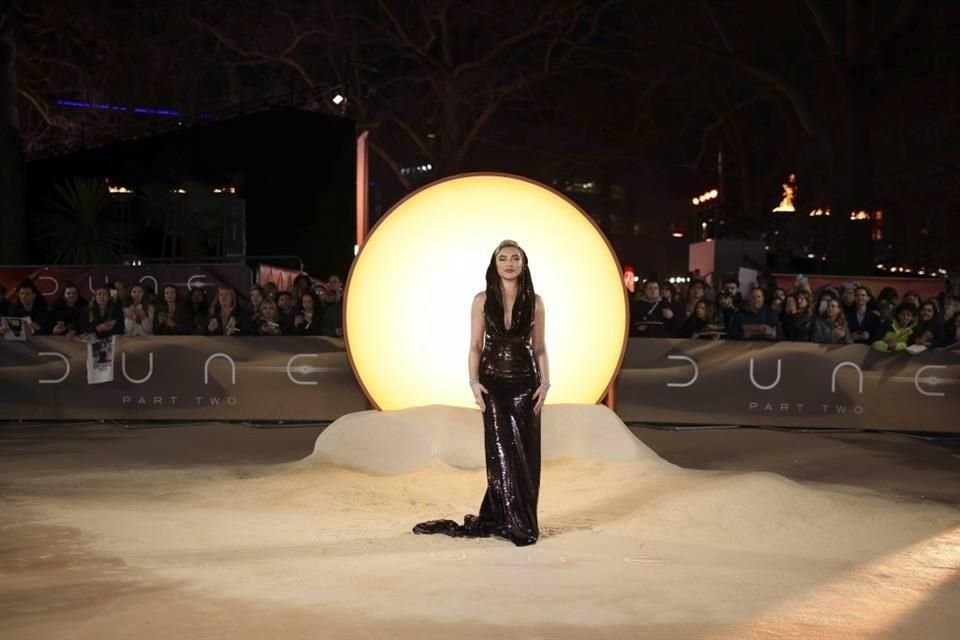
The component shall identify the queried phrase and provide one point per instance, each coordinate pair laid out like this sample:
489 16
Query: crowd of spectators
844 314
310 308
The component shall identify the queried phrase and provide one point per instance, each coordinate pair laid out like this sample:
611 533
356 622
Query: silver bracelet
545 384
474 381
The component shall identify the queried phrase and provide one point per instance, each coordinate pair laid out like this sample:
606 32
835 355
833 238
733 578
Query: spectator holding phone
138 316
268 321
173 316
307 321
227 318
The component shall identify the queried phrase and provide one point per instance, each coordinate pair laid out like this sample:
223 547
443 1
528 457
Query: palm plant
78 226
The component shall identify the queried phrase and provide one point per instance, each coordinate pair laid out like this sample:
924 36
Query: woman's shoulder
480 298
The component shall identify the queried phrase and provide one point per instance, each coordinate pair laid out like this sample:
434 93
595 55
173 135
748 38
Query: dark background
631 108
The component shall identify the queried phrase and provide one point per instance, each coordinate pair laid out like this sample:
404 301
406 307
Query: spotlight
338 99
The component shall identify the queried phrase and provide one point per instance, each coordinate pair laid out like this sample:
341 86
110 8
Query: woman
929 330
227 318
138 316
509 378
700 324
798 324
830 327
104 315
267 322
199 309
256 299
173 318
307 321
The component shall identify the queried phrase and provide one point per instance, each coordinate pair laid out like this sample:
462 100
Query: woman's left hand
539 396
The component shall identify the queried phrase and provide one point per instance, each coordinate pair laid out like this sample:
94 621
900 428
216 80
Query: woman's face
509 263
833 308
169 295
905 317
780 293
306 303
225 298
26 296
269 311
790 304
927 312
256 298
696 291
136 294
802 302
701 311
861 297
196 295
102 296
70 296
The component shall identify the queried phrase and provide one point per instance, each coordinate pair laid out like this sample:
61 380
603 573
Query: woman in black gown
509 378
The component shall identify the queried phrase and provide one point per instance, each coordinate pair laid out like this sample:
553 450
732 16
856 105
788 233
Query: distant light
677 234
179 190
696 201
879 266
636 278
703 225
114 189
338 99
714 193
810 255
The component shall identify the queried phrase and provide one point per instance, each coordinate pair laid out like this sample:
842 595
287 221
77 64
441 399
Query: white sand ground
631 546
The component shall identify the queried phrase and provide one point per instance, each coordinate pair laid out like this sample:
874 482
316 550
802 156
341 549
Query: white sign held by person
16 328
100 354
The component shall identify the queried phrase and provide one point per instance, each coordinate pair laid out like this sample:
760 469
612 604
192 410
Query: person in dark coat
66 314
30 304
651 316
227 318
173 316
863 322
755 320
104 316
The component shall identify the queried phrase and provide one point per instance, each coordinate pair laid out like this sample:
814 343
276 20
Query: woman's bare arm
539 340
476 335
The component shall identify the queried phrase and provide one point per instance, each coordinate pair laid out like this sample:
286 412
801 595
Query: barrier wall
789 384
181 378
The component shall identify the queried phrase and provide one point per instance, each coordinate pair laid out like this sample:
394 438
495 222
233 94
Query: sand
631 546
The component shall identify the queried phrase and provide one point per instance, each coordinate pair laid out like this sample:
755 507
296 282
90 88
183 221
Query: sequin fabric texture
511 432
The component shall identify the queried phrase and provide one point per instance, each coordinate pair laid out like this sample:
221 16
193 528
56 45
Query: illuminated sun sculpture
409 292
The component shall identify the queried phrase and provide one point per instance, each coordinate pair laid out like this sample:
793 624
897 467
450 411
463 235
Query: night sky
631 108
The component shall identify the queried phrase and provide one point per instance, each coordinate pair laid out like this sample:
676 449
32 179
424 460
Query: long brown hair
523 306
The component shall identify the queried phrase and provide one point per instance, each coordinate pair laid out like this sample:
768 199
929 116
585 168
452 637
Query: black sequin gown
511 433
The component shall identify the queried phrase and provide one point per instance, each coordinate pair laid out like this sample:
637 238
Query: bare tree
426 78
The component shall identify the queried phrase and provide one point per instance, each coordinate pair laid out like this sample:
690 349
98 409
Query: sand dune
627 537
